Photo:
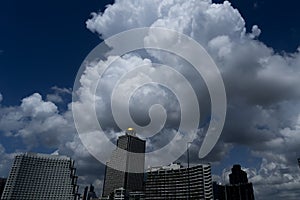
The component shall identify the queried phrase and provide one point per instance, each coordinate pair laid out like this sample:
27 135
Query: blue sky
42 45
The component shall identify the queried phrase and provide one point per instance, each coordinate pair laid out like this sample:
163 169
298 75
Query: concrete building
126 163
177 182
40 177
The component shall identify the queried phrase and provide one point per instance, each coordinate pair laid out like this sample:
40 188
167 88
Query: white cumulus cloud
261 85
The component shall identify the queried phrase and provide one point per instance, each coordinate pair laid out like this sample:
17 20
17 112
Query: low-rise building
177 182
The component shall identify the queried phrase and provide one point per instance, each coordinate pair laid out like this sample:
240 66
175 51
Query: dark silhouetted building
218 191
238 189
40 176
239 192
91 194
126 164
2 185
299 162
238 176
85 193
177 182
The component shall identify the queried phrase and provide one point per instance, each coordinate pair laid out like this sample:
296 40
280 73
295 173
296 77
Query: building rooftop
46 156
131 131
172 166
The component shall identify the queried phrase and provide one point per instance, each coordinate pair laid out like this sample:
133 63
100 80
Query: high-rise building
299 162
120 169
40 176
238 189
177 182
2 185
237 176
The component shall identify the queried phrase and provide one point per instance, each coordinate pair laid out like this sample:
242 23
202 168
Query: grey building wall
41 177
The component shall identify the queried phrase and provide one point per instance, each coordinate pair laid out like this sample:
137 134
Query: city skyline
255 45
55 177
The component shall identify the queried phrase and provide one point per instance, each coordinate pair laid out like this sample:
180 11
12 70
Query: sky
254 43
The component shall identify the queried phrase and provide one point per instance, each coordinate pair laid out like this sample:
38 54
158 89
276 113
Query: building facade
40 177
127 163
177 182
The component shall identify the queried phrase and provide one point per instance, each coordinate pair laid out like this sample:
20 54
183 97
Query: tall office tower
299 162
238 176
2 185
238 189
126 163
40 176
177 182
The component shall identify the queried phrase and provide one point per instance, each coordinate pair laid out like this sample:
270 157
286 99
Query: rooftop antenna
131 131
